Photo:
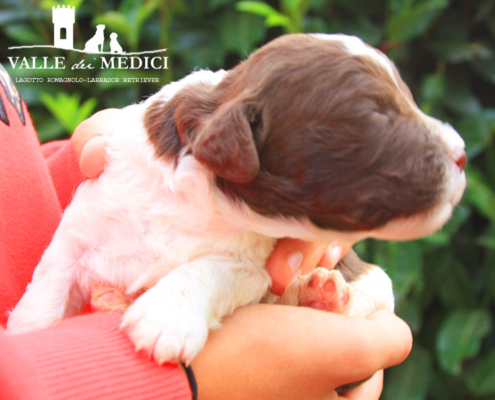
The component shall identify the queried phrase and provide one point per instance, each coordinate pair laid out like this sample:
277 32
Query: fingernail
294 261
296 276
335 253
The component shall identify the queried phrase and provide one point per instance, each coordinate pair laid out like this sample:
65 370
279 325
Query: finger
380 341
333 254
92 159
290 256
369 390
97 125
362 345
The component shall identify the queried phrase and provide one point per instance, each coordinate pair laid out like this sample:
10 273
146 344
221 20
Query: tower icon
63 19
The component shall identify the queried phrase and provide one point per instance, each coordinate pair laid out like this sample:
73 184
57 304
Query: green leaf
402 262
432 87
451 28
485 68
67 109
447 387
479 193
362 27
459 97
411 379
49 130
455 52
485 9
115 22
395 6
272 17
459 217
256 7
48 4
274 20
476 130
240 32
86 110
410 311
486 241
292 6
22 34
135 14
455 287
8 17
460 337
409 23
481 381
214 4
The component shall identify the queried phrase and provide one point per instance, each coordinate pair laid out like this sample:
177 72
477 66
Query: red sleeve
64 169
85 357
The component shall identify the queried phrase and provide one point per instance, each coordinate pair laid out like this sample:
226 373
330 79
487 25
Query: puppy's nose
460 158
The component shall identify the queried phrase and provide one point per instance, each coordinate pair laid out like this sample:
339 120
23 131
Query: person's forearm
86 357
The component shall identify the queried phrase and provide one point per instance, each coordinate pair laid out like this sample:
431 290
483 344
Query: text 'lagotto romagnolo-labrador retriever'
313 137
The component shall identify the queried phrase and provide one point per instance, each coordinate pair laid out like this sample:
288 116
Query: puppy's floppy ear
225 144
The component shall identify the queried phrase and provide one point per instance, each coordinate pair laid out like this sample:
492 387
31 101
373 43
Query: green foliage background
445 50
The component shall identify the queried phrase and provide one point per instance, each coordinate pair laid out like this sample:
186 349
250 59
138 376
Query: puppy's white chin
417 226
457 187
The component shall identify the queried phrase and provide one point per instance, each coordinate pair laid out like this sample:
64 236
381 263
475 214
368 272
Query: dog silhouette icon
115 46
95 44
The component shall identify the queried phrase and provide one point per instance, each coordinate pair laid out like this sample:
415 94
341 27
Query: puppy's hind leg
52 294
354 288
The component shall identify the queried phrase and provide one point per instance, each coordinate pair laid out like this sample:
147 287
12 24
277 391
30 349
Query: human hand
88 141
279 352
294 257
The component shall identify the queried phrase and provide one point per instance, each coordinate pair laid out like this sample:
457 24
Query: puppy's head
319 127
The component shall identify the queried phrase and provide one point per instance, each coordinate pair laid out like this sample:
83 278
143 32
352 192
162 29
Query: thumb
380 341
293 257
92 158
88 141
289 258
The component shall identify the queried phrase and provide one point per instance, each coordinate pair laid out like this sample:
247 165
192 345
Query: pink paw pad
109 298
313 283
324 290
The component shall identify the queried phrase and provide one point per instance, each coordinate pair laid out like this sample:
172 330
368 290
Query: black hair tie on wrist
192 381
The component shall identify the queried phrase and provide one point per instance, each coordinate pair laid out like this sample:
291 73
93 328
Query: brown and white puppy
313 137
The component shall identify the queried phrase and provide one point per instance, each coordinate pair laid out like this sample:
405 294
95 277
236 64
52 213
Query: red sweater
85 357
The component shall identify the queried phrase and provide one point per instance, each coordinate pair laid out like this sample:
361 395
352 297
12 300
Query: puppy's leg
370 292
171 320
108 298
354 288
371 288
322 289
52 294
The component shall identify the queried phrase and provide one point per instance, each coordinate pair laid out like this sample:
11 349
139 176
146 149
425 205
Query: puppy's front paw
325 290
167 327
